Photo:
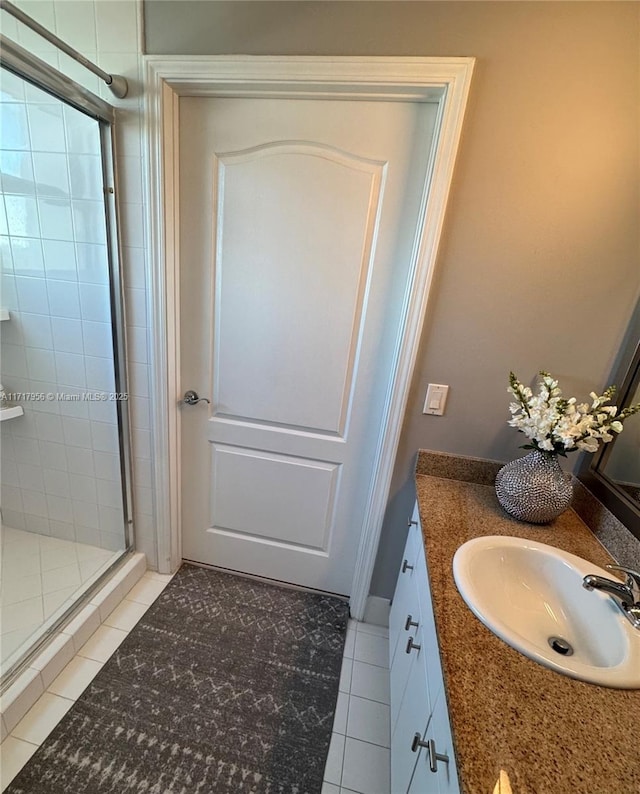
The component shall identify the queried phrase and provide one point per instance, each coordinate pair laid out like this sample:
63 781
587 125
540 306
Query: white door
297 221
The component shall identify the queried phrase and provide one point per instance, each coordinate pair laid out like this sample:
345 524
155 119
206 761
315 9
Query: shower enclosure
65 497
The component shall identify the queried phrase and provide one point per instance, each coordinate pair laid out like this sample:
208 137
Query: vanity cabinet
422 759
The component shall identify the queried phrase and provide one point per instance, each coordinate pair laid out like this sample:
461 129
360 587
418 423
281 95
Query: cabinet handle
406 567
417 742
411 646
434 757
412 523
410 623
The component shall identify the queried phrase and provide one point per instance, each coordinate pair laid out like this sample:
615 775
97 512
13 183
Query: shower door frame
35 71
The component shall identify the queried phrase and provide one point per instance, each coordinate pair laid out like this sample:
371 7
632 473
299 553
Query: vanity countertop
551 734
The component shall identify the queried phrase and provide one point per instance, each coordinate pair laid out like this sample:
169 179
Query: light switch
435 400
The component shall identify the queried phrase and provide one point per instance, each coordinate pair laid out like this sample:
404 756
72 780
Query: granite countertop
551 734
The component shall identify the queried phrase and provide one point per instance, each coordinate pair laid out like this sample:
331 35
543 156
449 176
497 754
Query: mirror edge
627 373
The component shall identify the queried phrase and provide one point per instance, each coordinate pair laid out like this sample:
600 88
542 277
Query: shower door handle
191 398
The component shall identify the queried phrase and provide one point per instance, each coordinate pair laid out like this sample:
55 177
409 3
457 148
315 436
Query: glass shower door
64 505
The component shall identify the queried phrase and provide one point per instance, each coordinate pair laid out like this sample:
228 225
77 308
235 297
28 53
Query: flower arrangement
557 425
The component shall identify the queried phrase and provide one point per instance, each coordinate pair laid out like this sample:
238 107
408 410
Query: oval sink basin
531 596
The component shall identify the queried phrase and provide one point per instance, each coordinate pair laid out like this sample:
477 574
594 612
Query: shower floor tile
40 577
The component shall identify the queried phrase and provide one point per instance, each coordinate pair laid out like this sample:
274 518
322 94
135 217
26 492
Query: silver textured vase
534 488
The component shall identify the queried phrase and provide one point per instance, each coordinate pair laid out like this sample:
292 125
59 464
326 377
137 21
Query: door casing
444 80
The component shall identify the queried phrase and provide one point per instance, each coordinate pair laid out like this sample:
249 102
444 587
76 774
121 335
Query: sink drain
560 646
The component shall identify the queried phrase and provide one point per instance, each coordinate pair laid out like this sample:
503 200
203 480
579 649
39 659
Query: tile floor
61 693
40 577
358 758
359 753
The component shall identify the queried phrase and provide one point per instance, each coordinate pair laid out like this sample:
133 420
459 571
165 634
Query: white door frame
445 80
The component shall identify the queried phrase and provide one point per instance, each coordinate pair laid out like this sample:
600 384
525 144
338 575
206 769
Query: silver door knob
191 398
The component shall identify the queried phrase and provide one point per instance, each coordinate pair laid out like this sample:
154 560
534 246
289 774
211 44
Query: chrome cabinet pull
417 742
411 646
412 523
406 567
434 757
191 398
409 622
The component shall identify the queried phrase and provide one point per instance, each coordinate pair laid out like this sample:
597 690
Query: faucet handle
633 577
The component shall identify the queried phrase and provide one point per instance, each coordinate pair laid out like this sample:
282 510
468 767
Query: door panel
299 258
298 220
282 489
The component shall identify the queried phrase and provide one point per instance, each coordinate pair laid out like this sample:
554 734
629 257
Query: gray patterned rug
225 685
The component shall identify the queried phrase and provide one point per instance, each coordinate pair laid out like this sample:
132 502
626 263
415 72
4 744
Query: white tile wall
108 32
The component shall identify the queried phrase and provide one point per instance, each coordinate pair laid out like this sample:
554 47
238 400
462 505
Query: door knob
191 398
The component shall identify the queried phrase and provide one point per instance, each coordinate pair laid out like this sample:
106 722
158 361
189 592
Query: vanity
469 713
422 756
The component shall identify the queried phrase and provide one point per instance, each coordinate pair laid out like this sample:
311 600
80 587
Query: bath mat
226 685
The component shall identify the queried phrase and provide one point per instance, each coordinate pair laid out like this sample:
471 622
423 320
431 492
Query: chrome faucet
625 594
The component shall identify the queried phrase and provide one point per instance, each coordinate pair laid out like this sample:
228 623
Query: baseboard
377 610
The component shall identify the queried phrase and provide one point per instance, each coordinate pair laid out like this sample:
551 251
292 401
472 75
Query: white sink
529 593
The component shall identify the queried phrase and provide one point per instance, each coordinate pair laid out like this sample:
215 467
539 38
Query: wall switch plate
435 399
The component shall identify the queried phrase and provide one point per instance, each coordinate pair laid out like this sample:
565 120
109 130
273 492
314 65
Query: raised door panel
254 491
291 278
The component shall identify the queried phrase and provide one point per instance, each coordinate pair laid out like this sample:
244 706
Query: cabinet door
445 778
404 598
413 718
404 660
431 651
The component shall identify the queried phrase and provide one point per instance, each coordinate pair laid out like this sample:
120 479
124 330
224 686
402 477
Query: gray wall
539 266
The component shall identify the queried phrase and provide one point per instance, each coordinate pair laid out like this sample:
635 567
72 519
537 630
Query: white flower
559 425
588 445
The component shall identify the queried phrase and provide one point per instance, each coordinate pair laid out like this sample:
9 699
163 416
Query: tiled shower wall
60 459
109 33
